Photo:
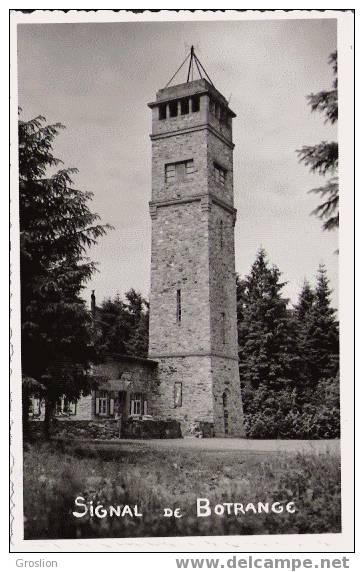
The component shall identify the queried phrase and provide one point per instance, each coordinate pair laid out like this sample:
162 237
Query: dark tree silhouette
56 229
323 158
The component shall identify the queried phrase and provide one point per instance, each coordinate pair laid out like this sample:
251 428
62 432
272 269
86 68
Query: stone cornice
200 127
193 354
204 198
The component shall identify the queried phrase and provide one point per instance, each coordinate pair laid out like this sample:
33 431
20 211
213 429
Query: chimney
93 304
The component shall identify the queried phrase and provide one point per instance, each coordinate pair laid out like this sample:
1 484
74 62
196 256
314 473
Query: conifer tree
323 158
323 331
123 326
56 229
302 321
265 329
317 333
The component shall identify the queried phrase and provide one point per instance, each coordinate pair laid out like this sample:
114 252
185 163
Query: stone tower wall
195 374
193 252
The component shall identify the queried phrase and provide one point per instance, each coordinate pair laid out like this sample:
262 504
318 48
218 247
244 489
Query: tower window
184 106
162 111
189 167
170 172
219 174
223 327
195 103
178 171
221 230
179 307
177 398
173 109
212 106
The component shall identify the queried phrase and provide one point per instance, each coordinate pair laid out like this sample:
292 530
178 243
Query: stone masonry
193 329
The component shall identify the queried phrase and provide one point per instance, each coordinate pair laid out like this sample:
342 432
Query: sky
97 79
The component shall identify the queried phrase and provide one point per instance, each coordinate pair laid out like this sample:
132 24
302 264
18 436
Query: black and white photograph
179 366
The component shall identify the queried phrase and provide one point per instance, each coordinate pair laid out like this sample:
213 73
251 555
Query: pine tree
323 331
302 317
56 229
323 158
317 334
124 326
265 330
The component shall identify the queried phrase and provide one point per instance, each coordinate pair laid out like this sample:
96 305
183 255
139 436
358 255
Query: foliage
318 333
288 358
265 335
123 326
323 157
56 229
154 479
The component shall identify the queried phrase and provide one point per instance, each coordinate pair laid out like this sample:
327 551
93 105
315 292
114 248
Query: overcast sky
97 79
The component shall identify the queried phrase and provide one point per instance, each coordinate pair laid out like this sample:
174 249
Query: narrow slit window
221 231
179 307
178 394
223 327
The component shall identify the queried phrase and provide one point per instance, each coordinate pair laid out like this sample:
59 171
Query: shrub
285 414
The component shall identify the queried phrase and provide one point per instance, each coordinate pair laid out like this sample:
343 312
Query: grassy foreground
153 480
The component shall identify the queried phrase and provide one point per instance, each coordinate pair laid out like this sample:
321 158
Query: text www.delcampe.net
251 562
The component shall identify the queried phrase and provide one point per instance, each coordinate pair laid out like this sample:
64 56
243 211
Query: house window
178 394
162 111
69 407
195 103
65 406
178 171
103 404
179 307
219 174
184 106
138 404
34 407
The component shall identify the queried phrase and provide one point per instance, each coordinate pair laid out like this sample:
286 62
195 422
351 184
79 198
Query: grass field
154 479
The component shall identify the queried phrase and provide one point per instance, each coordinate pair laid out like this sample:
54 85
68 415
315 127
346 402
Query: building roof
133 359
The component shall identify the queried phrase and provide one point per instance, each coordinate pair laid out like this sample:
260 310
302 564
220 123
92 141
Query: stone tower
193 328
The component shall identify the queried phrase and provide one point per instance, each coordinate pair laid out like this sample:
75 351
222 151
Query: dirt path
249 445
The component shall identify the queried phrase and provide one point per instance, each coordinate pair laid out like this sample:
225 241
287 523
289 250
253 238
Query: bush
284 414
